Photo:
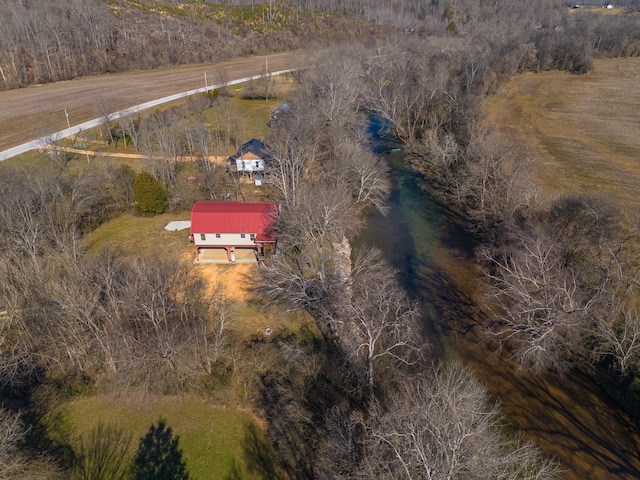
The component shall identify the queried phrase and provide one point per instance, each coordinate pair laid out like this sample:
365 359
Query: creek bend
569 417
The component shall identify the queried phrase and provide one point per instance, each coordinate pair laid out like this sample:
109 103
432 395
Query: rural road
28 114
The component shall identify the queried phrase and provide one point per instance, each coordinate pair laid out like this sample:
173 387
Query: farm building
277 114
232 225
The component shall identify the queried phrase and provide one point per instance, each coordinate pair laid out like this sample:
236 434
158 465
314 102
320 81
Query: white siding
226 239
249 165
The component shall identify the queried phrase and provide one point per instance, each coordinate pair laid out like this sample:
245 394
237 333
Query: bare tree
332 88
292 160
130 125
162 143
379 324
366 174
411 88
105 113
442 425
494 190
618 336
212 333
313 269
12 434
540 309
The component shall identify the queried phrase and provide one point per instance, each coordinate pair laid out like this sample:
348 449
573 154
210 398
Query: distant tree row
53 40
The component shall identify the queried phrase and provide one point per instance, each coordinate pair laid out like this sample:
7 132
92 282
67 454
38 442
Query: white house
251 159
249 162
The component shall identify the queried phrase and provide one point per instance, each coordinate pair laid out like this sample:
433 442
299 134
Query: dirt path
34 112
219 159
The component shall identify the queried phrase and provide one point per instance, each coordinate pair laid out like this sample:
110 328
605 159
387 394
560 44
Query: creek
569 416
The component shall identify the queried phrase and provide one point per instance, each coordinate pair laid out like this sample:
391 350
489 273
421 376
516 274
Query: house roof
254 146
282 108
235 217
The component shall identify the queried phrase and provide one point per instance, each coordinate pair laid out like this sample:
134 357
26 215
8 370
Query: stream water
568 416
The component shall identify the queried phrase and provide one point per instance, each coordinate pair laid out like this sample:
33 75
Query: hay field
584 130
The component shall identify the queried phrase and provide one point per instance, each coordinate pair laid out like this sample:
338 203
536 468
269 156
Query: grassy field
217 442
134 235
583 130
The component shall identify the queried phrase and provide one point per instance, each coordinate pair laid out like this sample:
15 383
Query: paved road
41 111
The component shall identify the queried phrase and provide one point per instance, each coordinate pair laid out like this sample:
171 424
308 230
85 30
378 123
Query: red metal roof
235 217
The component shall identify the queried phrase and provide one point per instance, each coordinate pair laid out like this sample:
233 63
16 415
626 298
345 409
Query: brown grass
583 130
30 113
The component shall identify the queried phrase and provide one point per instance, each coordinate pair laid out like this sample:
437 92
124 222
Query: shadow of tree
568 416
235 473
259 456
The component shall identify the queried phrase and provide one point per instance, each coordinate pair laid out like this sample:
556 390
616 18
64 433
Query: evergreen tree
158 456
148 193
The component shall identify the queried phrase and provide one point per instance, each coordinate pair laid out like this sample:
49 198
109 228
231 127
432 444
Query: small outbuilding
278 114
232 225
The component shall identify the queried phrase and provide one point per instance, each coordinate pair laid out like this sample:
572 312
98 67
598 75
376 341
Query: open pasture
584 131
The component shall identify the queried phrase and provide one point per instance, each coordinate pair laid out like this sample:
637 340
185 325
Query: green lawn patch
137 235
217 443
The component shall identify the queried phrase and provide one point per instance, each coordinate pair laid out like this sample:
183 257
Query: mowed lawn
135 235
217 442
584 130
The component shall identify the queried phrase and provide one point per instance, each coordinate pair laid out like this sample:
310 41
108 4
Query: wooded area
363 396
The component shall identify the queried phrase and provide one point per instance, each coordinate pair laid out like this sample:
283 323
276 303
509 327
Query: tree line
370 399
55 40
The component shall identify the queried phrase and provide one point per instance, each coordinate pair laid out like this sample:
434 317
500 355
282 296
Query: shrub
148 194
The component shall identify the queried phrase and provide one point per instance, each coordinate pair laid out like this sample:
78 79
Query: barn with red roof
232 225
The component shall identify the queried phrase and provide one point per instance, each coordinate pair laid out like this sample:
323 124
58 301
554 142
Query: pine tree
148 193
158 456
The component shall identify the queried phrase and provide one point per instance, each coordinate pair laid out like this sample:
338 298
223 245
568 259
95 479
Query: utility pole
66 114
206 85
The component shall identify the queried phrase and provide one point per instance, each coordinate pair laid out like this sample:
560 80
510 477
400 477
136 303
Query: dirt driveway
34 112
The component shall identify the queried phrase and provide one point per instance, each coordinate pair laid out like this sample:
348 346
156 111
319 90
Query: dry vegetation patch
29 113
583 129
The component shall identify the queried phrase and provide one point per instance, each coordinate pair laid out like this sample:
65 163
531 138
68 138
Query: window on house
203 236
242 235
253 236
217 235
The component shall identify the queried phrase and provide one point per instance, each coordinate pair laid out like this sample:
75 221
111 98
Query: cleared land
217 442
584 130
30 113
